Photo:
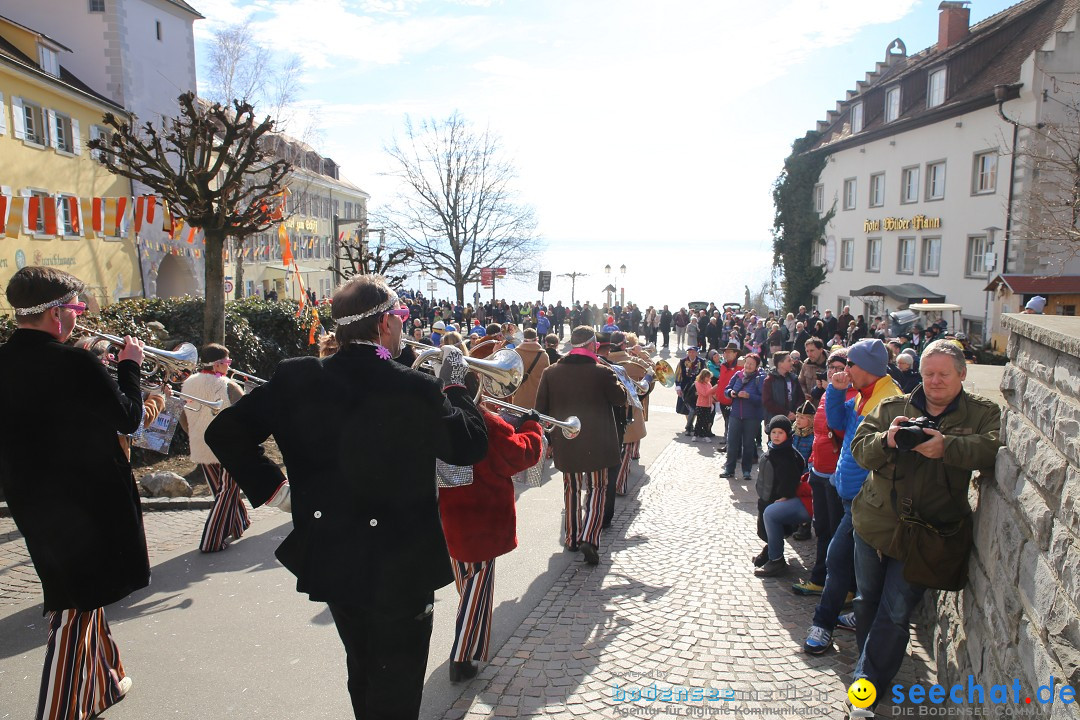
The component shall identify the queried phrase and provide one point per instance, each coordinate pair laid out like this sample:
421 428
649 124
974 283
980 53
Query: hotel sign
919 222
310 224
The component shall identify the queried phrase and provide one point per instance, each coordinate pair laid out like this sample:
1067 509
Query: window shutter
76 139
26 228
18 118
50 125
3 117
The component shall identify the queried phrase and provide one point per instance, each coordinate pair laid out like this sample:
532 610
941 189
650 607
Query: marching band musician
635 430
366 537
480 523
70 487
581 385
228 517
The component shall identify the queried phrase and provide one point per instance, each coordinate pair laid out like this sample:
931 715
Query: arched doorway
175 278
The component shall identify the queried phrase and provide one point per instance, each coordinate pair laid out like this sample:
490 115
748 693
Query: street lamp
989 262
573 282
609 288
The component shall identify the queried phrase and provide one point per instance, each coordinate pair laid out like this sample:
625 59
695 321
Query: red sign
500 272
486 278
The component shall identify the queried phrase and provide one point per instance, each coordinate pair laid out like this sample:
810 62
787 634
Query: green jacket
935 490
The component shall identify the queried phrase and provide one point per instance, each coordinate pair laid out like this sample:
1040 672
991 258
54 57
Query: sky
646 134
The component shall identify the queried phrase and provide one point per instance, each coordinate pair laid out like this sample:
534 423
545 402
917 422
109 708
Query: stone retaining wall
1018 617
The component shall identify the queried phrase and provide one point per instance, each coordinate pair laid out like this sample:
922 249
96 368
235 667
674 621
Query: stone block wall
1018 617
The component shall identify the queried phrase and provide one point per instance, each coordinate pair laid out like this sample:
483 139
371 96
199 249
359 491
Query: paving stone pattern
673 602
166 532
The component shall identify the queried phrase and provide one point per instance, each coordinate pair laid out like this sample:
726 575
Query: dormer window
935 88
48 60
856 118
892 104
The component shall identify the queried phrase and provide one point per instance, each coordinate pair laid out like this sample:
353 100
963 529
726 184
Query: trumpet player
70 487
228 517
635 431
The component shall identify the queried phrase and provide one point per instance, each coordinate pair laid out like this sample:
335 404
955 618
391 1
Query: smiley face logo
862 693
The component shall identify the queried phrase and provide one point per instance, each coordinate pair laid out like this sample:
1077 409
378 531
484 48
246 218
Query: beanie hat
780 421
1036 303
870 355
807 408
439 325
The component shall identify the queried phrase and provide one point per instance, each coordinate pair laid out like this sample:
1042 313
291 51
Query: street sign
487 277
228 286
544 285
500 272
431 285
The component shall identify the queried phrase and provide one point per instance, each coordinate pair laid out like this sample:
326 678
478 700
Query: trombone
500 375
245 377
167 366
570 427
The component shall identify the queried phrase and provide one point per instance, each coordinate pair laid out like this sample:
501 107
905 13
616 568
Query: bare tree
209 164
458 210
357 257
242 69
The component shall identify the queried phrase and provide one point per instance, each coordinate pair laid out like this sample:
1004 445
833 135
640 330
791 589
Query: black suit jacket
366 525
66 478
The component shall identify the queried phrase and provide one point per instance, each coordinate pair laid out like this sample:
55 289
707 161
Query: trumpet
500 374
570 427
245 377
160 367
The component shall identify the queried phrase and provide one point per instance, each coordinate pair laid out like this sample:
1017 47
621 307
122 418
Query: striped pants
583 524
228 516
629 450
476 592
82 666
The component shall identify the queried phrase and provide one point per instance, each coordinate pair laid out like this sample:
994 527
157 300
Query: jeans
828 510
883 611
680 337
741 436
776 516
840 573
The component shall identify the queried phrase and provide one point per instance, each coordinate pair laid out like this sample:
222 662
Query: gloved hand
531 415
453 370
282 499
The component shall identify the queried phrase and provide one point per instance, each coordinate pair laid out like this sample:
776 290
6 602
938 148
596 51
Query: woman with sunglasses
70 488
228 517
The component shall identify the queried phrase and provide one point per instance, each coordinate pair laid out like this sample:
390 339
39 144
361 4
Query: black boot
460 671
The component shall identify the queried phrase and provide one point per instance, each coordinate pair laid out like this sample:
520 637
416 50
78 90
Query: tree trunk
214 282
238 287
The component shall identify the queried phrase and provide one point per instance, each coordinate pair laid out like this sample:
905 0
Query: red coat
826 450
480 520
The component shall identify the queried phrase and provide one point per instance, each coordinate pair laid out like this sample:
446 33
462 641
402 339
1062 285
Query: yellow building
47 117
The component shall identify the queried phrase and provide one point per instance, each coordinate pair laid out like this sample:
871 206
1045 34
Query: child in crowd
779 503
703 408
803 440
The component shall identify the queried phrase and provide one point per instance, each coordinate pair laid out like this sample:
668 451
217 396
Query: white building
920 163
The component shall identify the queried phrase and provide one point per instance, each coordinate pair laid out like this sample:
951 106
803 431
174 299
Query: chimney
952 23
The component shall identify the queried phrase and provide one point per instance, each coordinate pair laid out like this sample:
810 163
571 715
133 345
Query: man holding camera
911 517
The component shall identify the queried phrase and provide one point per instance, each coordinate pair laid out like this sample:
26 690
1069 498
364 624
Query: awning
281 271
1038 284
908 293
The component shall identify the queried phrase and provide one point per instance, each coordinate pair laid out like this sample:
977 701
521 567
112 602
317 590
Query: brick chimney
953 23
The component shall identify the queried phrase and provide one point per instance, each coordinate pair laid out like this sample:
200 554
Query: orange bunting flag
33 212
121 214
314 324
286 246
98 211
191 234
151 204
167 219
110 215
4 201
140 210
73 213
15 216
49 206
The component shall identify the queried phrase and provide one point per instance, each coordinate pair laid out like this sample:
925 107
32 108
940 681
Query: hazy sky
645 133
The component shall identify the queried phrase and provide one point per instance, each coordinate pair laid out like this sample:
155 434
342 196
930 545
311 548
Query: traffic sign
228 286
544 285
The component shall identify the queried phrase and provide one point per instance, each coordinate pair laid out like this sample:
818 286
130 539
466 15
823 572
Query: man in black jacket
782 394
367 537
69 485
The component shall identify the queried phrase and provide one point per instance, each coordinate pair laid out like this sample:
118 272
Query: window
877 190
935 88
905 256
63 132
98 131
935 181
909 185
892 104
978 257
29 122
37 224
849 194
48 60
1069 310
157 29
931 256
65 215
856 118
984 177
817 257
819 198
97 6
847 253
873 254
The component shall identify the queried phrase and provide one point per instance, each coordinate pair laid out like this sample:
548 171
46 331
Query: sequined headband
46 305
590 339
373 311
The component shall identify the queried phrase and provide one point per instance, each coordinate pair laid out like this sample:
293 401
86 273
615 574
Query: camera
821 375
910 432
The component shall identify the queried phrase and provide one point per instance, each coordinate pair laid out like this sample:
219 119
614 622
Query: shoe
762 557
807 588
818 641
688 433
591 555
772 568
846 621
460 671
746 477
802 533
725 473
572 548
848 600
125 685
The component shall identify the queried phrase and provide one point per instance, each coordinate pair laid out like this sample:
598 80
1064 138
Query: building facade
921 172
47 117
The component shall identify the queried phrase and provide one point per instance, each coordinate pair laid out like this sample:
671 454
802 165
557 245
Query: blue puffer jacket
746 408
846 416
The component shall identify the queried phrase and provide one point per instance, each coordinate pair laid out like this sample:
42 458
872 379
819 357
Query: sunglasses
850 364
77 308
402 313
